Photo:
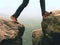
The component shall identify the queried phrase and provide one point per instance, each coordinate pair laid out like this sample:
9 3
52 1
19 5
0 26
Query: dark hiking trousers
24 4
42 4
20 8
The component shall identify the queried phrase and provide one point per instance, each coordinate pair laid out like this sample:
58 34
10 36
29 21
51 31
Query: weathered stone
11 32
37 37
51 28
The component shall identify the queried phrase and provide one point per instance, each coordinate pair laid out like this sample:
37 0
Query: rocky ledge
11 32
51 29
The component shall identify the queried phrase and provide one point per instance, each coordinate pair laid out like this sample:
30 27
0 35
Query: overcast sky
8 7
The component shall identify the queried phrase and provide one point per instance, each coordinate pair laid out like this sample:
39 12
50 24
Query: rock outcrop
51 29
37 37
10 32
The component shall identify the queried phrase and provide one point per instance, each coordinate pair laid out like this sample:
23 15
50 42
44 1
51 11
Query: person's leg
43 9
19 10
42 3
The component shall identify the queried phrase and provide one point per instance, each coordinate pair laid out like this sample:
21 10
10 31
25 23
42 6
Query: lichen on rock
50 30
10 29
